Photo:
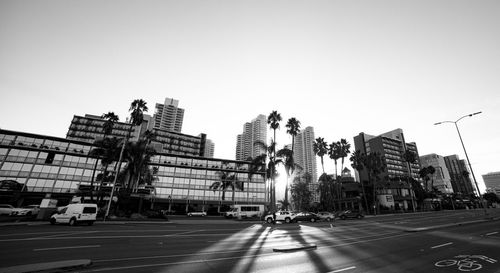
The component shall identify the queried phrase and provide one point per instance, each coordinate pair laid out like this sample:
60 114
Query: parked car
197 213
21 212
306 216
326 216
285 216
350 214
6 209
73 214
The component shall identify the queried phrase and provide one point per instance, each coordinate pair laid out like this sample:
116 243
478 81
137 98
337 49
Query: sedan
6 209
325 215
197 213
351 214
306 216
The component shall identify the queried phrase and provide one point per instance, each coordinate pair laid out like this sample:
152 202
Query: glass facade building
59 166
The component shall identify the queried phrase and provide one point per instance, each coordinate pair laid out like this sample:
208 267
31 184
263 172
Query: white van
245 211
73 214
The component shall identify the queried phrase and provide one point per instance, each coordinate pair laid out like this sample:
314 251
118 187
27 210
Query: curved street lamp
465 151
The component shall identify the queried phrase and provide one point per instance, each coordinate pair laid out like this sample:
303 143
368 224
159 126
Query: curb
294 248
47 267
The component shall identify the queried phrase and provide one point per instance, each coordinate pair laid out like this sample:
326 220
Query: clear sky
343 67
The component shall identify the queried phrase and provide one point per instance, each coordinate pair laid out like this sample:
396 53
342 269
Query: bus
245 211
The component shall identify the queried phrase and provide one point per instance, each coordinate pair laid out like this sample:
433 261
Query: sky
342 67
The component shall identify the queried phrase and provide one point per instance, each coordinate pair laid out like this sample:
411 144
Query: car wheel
360 216
287 220
313 220
269 220
328 219
52 221
29 214
72 221
343 217
90 223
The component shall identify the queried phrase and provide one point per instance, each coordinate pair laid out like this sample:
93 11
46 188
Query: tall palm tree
357 159
374 163
273 120
293 129
334 154
285 157
345 150
410 157
320 149
110 120
137 109
431 170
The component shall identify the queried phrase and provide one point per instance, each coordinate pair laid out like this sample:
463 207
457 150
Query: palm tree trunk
92 181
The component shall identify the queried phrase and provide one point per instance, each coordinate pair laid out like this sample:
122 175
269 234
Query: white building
441 178
492 182
169 116
253 131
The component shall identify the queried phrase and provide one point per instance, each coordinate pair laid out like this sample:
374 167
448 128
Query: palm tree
424 174
320 149
226 180
357 159
334 154
374 164
137 109
110 120
410 157
273 120
345 150
293 128
285 157
431 170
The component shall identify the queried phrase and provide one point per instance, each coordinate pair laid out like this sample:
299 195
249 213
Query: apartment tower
169 116
304 156
253 131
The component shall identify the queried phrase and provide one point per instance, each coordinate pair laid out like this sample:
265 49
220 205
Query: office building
62 167
168 116
492 182
459 175
441 179
253 131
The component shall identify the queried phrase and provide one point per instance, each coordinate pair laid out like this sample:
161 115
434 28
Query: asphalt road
428 242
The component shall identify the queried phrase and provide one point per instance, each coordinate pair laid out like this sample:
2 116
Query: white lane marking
343 269
182 233
491 233
67 247
438 246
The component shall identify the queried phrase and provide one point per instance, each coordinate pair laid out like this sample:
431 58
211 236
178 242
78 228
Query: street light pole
467 156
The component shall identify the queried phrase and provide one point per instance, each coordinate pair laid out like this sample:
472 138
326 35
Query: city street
421 242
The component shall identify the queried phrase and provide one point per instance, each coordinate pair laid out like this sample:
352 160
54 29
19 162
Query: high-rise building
441 179
492 182
209 148
253 131
392 181
304 156
459 174
391 146
169 116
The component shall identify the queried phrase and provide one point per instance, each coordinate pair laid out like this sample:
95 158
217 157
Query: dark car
306 216
350 214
